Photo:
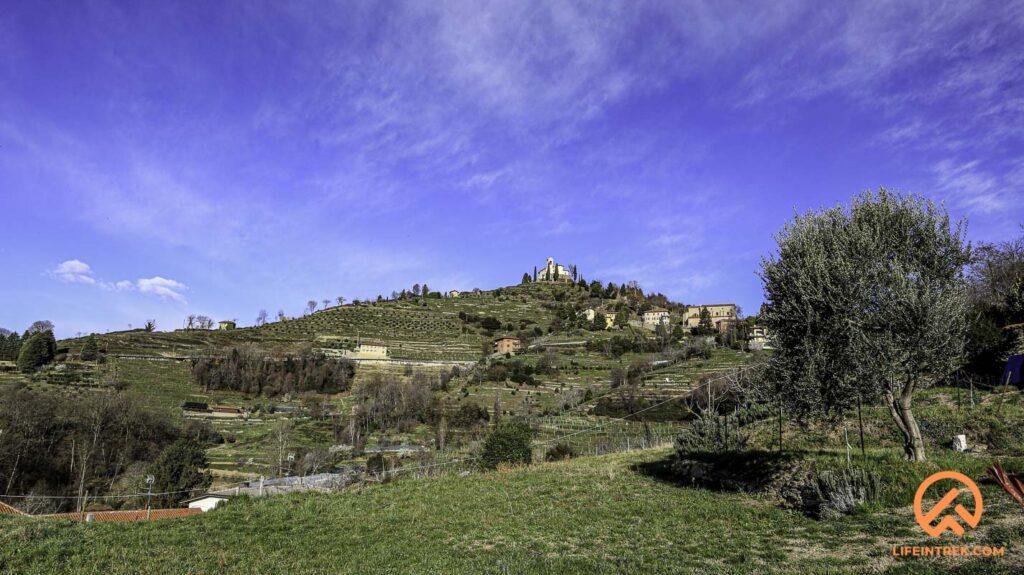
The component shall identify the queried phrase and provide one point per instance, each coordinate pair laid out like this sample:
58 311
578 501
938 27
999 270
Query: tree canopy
866 302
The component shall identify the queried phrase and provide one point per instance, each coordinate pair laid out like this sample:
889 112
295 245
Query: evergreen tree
534 273
90 351
704 325
178 469
622 317
10 346
526 278
36 351
424 290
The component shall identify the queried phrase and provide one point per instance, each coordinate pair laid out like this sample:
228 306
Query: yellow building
507 344
590 314
226 324
366 351
721 314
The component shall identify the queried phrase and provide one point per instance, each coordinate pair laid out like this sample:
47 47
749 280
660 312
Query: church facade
554 272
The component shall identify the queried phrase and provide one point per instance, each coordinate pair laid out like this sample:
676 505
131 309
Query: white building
652 318
553 272
206 501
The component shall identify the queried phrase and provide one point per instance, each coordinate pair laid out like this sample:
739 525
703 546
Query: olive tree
866 303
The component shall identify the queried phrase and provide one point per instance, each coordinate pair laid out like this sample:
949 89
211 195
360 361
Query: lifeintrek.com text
947 551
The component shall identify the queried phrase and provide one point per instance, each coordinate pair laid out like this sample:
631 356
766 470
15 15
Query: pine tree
90 351
526 278
10 346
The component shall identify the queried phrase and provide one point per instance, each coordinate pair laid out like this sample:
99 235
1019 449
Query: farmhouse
654 317
367 351
226 324
719 312
554 272
454 293
507 344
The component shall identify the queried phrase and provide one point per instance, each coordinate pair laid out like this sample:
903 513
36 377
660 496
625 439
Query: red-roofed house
133 515
6 509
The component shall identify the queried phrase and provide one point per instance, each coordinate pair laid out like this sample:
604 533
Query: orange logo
925 520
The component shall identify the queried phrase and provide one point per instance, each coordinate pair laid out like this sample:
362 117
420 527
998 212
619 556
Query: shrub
470 415
712 433
560 451
510 442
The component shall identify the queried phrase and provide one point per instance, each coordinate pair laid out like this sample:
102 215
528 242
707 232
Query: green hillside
425 337
609 514
415 328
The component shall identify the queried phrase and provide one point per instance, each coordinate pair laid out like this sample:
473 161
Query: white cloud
77 271
973 187
73 271
163 287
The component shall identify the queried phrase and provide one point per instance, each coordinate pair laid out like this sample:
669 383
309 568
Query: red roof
133 515
6 509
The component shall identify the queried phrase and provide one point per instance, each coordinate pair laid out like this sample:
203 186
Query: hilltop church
553 272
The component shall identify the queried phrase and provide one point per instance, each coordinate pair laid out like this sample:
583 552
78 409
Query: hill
609 514
412 328
569 389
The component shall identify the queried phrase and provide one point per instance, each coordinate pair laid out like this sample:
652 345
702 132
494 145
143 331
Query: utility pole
149 496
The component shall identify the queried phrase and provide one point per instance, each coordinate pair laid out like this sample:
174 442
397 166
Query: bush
510 442
712 433
470 415
560 451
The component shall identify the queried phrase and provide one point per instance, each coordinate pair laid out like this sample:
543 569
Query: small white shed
206 502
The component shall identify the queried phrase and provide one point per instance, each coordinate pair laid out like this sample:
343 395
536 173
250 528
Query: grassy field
608 514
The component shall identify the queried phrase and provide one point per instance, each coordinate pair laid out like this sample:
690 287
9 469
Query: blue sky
165 158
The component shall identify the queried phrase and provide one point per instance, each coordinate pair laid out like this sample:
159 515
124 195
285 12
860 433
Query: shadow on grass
732 470
724 470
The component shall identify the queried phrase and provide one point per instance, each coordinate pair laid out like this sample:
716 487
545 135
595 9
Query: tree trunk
899 408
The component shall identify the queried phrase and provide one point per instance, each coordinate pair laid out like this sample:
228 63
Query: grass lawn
609 514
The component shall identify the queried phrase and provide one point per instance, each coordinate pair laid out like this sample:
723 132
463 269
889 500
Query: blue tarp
1014 367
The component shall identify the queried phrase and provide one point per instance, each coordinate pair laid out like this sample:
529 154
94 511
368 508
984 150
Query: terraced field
422 328
677 379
